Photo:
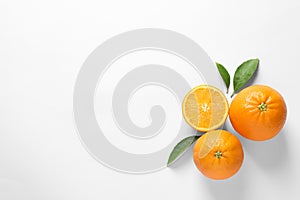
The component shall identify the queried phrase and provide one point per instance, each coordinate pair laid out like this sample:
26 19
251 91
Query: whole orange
258 112
218 154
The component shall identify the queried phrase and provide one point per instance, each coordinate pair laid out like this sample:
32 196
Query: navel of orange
218 154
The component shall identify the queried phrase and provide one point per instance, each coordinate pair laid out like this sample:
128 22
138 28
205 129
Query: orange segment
210 141
205 108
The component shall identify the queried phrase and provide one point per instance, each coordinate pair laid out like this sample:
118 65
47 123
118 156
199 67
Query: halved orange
205 108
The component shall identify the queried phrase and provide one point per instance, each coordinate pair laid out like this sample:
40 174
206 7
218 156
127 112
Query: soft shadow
272 155
229 189
228 127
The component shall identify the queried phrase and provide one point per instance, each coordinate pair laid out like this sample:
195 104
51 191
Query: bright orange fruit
218 154
258 112
205 108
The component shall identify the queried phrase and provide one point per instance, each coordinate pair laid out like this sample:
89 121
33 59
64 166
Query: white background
42 47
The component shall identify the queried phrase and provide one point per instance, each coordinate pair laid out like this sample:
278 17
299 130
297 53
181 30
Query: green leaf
224 74
181 147
244 73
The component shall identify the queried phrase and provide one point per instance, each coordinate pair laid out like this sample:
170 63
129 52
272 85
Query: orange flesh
205 108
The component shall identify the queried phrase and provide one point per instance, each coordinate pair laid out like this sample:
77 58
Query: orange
258 112
218 154
205 108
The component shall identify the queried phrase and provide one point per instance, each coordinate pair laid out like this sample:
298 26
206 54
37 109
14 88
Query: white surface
142 100
42 46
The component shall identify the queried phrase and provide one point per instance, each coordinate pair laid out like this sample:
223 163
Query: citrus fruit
218 154
205 108
258 112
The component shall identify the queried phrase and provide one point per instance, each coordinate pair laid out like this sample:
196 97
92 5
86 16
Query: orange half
205 108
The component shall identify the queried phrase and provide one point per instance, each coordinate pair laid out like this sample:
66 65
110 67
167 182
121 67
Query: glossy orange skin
249 121
228 164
